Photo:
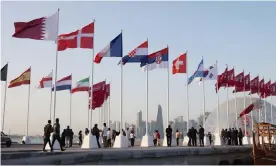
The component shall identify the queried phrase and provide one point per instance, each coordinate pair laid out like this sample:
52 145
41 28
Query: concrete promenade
135 155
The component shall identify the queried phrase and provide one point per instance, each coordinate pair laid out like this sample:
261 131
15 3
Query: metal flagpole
228 125
92 78
252 120
29 103
168 96
260 100
5 99
70 114
236 107
121 96
218 124
203 86
271 110
51 98
108 117
89 105
55 92
244 105
147 97
188 106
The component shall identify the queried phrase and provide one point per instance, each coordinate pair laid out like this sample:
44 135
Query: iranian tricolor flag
82 85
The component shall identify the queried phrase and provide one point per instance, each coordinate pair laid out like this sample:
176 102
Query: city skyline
208 29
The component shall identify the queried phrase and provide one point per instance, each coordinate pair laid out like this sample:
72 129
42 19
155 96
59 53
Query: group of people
107 135
232 136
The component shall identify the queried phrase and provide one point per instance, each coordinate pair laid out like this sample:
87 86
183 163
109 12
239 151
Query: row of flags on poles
46 28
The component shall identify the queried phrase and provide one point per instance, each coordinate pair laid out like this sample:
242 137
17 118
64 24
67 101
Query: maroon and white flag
44 28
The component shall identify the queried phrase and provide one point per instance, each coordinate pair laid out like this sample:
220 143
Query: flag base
121 141
173 143
185 141
89 142
56 145
147 141
26 139
246 140
217 139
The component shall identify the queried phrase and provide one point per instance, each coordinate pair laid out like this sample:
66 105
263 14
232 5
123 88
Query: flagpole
70 113
29 103
228 125
252 120
259 99
271 108
168 96
147 97
92 78
121 96
5 98
236 107
55 92
244 106
203 86
188 106
89 106
51 97
108 117
218 124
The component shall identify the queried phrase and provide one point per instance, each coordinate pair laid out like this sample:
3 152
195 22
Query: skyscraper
159 121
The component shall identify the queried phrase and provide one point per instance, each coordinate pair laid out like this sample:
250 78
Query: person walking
132 138
80 138
67 135
177 136
96 132
86 132
169 136
104 135
201 136
154 138
189 136
109 137
240 136
46 138
157 138
193 136
56 134
209 135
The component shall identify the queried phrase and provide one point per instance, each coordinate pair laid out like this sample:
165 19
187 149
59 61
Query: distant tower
159 121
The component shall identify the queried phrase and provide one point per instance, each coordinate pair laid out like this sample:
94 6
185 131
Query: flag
82 85
98 86
239 82
113 49
135 59
267 90
253 106
99 92
46 82
82 38
4 73
158 59
222 79
261 87
198 73
211 73
107 91
273 89
24 78
179 65
142 49
231 78
44 28
254 85
64 84
247 82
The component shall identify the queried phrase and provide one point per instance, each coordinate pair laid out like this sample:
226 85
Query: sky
239 34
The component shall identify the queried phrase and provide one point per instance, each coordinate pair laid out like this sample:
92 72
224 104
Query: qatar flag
251 107
44 28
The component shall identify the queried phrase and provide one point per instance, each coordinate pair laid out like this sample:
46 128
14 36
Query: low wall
163 155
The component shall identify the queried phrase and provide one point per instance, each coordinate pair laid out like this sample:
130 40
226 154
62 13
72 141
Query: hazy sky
240 34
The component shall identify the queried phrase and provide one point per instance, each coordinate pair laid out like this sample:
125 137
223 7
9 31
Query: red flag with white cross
179 65
82 38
